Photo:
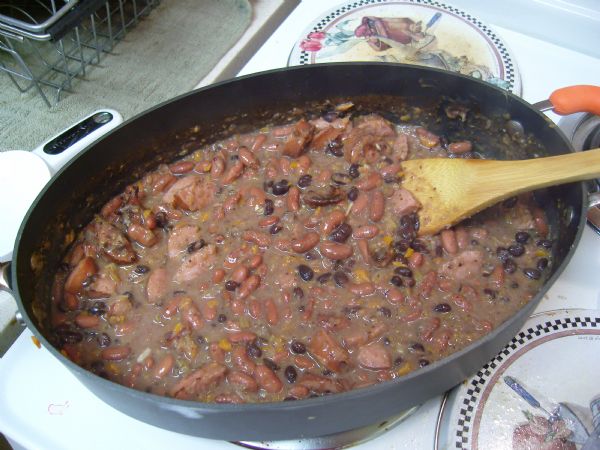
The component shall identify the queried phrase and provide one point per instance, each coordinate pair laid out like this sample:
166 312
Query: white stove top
43 406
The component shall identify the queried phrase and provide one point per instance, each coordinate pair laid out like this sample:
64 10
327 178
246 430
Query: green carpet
166 54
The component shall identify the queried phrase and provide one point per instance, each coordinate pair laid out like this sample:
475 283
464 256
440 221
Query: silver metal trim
543 106
5 276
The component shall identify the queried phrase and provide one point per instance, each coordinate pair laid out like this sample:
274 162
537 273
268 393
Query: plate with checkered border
420 32
538 392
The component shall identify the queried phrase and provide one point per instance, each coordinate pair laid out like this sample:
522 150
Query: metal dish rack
46 44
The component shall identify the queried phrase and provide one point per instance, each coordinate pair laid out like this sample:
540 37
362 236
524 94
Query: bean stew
285 263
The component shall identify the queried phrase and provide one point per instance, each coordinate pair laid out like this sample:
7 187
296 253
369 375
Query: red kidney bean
371 181
190 313
426 138
305 243
377 206
360 204
394 296
203 167
263 240
304 163
462 237
335 218
293 199
449 241
391 170
116 353
217 167
268 221
164 182
539 221
271 309
429 327
240 273
415 260
248 158
240 358
248 286
218 275
231 202
365 232
164 366
233 173
111 207
267 379
141 235
84 320
84 269
217 354
258 142
171 306
181 167
460 147
462 302
255 196
242 381
362 289
333 250
415 314
255 309
497 276
363 248
255 261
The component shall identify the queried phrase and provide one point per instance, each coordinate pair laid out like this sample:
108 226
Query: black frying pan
181 125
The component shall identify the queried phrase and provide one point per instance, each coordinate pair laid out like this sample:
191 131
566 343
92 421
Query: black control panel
77 132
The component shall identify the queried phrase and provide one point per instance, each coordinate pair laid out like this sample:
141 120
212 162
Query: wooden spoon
451 190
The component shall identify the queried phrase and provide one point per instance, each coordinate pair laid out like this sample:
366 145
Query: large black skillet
419 95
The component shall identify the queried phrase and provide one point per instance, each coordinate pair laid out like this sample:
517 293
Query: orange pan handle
572 99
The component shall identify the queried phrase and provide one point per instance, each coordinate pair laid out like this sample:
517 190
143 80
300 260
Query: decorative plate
540 392
422 32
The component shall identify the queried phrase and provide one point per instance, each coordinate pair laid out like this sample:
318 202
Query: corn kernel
147 213
361 275
388 239
294 165
178 328
225 345
406 368
212 303
398 264
204 216
197 156
541 254
409 253
36 342
405 117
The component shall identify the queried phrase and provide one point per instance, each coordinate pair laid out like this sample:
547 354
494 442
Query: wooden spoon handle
518 176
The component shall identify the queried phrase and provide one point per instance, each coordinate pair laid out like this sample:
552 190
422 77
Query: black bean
546 243
419 246
397 281
340 278
298 292
408 233
386 340
141 269
341 179
305 272
103 340
304 181
222 318
416 347
161 219
410 282
439 251
231 285
196 245
510 202
298 347
280 187
353 171
341 233
67 336
516 250
271 364
327 373
324 277
97 366
401 246
275 228
289 399
404 272
534 274
514 285
490 293
424 362
351 310
542 263
353 193
269 207
398 361
253 350
522 237
336 148
442 308
330 116
291 374
98 308
401 258
385 312
509 266
502 253
234 157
